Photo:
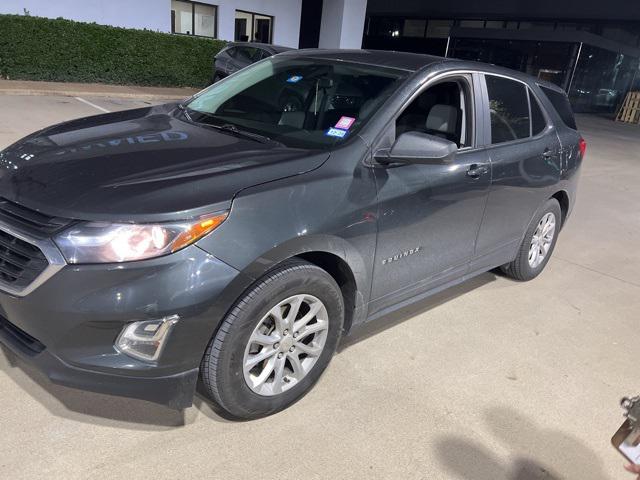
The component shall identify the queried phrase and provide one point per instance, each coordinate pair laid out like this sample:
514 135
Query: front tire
275 342
538 243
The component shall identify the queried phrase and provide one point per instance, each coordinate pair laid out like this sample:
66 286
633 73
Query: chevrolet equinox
236 236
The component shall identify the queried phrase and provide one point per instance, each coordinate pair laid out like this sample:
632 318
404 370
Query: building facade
590 49
339 23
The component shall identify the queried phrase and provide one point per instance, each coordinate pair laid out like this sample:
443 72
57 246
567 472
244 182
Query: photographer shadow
536 453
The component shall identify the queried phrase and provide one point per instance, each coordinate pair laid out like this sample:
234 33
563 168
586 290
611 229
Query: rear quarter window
560 102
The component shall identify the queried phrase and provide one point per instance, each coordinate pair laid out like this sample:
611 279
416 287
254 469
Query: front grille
20 262
30 220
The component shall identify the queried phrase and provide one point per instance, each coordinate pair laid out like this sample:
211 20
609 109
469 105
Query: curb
79 93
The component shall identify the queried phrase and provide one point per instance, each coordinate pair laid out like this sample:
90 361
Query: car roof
266 46
383 58
413 62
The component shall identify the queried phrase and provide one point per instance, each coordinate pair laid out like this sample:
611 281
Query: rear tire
538 243
264 356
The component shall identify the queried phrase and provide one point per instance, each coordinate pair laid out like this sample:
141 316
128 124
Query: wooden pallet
630 110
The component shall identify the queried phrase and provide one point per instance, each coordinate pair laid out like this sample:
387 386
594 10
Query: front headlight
123 242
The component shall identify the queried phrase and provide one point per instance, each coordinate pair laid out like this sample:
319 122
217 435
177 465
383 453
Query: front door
429 215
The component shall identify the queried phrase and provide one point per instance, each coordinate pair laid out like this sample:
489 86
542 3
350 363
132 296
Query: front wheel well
342 274
563 199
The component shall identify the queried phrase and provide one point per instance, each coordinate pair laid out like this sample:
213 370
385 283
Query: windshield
299 102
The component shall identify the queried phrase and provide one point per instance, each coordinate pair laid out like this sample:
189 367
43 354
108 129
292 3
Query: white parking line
92 104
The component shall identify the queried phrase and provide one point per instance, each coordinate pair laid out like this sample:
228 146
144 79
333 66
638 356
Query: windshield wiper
231 128
185 112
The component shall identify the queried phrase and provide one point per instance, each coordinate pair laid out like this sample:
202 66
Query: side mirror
421 148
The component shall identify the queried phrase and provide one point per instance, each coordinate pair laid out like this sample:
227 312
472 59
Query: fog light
145 340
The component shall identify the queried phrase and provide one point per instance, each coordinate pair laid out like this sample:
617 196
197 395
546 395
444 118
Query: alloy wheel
285 345
542 239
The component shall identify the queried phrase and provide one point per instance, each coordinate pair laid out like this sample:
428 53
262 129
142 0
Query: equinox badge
401 255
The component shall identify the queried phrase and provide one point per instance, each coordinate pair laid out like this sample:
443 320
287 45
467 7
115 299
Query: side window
444 110
232 52
538 122
509 109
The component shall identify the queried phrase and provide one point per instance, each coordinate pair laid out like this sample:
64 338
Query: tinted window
263 54
561 103
538 122
245 54
509 109
231 52
251 54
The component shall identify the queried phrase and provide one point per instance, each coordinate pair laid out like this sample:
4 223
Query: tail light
583 147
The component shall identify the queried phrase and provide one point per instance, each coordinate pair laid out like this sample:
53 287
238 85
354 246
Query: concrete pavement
490 380
27 87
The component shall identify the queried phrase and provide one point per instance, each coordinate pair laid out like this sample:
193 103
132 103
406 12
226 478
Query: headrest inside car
442 118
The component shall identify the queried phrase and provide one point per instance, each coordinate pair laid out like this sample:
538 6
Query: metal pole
446 51
575 65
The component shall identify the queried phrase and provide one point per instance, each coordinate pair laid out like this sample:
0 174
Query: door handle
547 153
475 170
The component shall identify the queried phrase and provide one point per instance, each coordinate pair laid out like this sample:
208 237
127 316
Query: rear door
526 163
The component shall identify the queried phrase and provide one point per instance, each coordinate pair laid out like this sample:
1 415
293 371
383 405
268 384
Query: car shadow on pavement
369 329
89 407
100 409
535 453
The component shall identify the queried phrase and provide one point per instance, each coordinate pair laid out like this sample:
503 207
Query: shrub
33 48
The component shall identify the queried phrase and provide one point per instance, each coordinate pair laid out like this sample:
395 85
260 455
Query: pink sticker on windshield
345 123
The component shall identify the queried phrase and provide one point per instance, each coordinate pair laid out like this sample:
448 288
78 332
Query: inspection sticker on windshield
294 79
345 123
336 132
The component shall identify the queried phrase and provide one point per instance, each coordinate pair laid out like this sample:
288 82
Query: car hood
145 164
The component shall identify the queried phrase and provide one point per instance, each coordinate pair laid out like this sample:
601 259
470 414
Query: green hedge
33 48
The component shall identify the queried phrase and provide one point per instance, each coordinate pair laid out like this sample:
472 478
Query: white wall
150 14
342 23
156 14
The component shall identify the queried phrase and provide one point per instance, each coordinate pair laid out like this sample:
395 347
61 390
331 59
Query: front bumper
68 325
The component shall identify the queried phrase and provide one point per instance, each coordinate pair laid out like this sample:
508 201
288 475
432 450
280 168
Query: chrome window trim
49 250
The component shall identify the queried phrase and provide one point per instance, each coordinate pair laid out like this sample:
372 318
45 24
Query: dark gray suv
236 237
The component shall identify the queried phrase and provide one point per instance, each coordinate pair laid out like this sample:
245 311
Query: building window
472 23
193 18
414 27
253 27
439 28
493 24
